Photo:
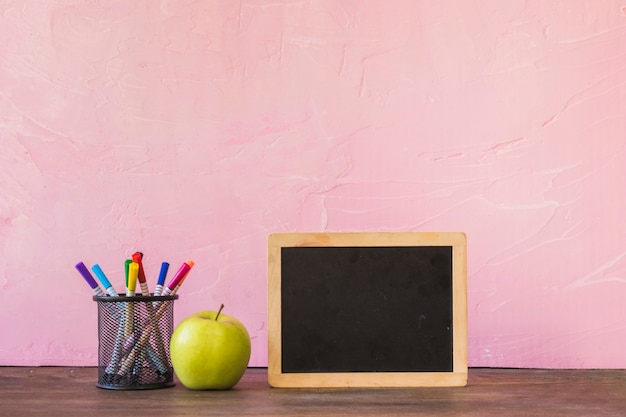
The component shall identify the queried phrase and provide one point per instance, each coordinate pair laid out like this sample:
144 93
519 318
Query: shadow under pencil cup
133 342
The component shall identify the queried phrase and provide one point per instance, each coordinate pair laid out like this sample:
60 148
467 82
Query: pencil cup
133 342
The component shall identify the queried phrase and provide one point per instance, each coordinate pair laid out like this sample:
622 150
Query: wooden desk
60 391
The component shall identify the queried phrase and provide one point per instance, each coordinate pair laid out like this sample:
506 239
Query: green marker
127 262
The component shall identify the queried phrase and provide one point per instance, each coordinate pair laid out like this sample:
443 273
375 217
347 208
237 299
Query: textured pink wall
192 129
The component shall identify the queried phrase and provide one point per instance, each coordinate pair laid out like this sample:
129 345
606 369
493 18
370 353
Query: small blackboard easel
382 309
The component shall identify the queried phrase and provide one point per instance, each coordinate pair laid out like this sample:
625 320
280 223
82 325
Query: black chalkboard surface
367 309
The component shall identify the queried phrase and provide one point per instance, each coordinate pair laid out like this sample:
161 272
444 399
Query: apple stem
219 311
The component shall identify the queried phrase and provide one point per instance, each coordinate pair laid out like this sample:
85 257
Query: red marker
141 275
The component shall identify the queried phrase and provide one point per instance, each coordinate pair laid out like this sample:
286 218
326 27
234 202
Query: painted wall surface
193 129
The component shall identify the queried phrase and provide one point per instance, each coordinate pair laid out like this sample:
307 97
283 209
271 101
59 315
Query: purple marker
90 279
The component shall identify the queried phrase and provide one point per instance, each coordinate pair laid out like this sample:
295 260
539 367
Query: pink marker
191 264
178 278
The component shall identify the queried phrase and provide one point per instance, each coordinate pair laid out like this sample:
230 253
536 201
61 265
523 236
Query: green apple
210 350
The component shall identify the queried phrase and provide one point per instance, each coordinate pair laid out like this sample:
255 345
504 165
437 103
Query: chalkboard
367 309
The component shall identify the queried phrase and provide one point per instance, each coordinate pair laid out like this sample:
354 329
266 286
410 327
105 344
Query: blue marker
104 280
89 279
159 287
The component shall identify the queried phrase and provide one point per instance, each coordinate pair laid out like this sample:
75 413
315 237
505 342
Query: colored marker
191 264
159 287
104 280
133 272
89 279
177 278
114 311
141 275
116 355
127 262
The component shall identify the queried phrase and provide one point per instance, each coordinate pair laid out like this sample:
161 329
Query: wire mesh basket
133 342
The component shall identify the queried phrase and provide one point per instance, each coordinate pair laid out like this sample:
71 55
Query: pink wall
192 129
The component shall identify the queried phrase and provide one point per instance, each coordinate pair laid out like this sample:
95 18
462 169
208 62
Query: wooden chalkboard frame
458 374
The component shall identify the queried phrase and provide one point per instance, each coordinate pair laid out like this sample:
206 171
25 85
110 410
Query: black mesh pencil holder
133 342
